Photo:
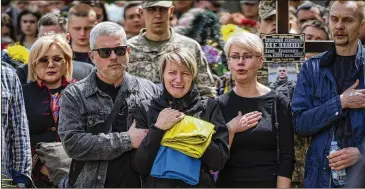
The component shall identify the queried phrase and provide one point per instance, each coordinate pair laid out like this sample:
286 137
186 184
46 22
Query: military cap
267 8
148 4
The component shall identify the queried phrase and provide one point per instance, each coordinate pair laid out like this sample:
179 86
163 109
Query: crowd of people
90 89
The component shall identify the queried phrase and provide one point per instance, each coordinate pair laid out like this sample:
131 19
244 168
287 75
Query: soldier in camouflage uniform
282 83
155 38
267 25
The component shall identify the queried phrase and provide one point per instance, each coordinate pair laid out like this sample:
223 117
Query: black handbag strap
119 100
77 166
277 128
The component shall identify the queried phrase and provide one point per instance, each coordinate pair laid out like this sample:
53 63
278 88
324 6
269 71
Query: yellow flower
229 30
18 52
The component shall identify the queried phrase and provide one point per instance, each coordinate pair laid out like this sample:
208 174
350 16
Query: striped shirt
16 159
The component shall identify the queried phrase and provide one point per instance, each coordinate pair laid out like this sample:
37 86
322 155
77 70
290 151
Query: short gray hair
248 41
106 29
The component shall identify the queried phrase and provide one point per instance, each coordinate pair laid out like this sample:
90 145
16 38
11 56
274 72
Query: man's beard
112 74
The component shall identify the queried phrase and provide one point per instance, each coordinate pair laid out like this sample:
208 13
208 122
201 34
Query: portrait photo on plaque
282 77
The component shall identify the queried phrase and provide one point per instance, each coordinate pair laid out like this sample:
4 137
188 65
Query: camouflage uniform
262 74
300 147
266 9
284 86
144 55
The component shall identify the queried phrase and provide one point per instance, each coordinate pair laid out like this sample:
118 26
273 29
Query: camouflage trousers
300 146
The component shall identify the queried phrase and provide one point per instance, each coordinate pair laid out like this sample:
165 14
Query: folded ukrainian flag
172 164
190 136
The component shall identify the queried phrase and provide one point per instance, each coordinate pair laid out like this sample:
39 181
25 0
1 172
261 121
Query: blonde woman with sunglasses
50 70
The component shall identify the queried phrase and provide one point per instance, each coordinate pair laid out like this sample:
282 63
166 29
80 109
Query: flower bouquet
15 55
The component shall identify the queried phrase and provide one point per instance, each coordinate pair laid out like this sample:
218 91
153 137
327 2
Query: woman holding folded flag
187 134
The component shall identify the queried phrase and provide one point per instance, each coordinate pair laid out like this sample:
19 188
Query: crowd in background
209 23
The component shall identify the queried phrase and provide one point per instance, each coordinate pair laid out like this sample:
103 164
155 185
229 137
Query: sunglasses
106 52
56 60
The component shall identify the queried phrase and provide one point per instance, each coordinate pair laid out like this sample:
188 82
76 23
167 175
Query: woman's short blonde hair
181 56
41 46
248 41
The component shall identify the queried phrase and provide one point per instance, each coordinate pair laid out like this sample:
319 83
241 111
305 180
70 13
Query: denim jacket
316 106
84 106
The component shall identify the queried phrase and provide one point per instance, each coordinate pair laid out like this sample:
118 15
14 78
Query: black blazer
42 127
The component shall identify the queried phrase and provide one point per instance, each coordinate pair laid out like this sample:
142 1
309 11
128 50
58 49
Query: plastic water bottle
339 177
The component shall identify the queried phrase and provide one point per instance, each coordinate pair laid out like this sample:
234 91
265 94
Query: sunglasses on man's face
106 52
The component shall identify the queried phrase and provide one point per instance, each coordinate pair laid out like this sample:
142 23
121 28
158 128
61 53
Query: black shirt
120 169
82 57
253 155
344 72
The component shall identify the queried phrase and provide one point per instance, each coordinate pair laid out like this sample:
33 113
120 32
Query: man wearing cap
267 13
153 40
266 25
249 9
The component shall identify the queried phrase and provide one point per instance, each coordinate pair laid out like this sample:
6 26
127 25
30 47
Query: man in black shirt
103 159
81 19
329 100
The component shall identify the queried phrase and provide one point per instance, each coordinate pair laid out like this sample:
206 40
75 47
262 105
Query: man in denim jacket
86 105
329 100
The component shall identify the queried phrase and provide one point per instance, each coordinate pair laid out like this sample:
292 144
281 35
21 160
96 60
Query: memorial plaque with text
284 47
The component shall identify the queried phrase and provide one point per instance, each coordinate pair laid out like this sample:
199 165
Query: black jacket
191 104
42 127
80 71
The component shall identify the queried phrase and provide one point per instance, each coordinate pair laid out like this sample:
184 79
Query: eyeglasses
56 60
106 52
245 56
